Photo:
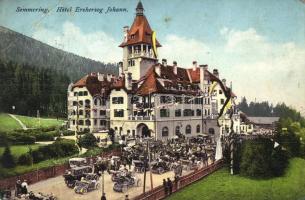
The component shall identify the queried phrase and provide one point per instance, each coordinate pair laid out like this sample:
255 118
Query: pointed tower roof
140 31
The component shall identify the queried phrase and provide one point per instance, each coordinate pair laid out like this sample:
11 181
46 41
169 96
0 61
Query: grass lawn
33 122
221 185
7 123
18 150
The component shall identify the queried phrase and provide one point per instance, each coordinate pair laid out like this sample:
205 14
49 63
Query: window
222 101
133 133
178 113
188 129
178 100
81 122
164 99
198 112
75 93
177 130
96 101
164 131
103 122
198 128
220 91
80 112
88 122
212 131
188 112
74 103
198 100
103 112
118 113
73 122
80 93
85 93
117 100
164 113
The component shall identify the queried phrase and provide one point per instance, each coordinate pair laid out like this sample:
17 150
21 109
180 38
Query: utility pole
145 163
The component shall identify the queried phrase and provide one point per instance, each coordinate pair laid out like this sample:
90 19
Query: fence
159 193
45 173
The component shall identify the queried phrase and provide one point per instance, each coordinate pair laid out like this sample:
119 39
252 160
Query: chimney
205 67
158 69
125 30
194 65
164 62
202 69
109 77
175 67
215 73
224 82
100 76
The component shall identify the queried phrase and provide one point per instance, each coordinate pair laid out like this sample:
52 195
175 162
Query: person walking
169 186
165 187
103 197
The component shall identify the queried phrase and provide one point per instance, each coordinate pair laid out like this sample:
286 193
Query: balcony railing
137 118
143 54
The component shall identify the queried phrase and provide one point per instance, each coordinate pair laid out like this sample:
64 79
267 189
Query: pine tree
7 159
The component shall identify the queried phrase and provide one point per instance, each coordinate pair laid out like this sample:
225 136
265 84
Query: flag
227 106
154 43
212 87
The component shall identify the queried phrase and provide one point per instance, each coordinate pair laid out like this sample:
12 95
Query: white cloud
183 50
266 71
258 68
95 45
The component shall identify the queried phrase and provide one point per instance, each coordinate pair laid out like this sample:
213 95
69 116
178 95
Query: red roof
140 32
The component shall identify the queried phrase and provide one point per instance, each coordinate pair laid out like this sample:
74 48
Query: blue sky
259 45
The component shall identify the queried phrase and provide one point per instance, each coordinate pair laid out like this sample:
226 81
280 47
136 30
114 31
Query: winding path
20 122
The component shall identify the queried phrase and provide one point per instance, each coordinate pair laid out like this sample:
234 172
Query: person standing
18 188
165 187
24 187
169 186
103 197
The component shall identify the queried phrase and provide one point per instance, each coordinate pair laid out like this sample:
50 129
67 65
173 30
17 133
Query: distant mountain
22 49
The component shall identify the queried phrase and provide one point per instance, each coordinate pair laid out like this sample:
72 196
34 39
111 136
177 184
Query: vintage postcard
163 99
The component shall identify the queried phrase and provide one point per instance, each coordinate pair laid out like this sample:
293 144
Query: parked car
125 182
75 174
77 162
139 166
85 186
160 167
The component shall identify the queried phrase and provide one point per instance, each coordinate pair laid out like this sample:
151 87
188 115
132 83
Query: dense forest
25 50
30 89
266 109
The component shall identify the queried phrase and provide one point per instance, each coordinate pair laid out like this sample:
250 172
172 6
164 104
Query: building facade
151 98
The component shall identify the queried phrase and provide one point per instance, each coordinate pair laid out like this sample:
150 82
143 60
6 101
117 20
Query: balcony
141 54
141 118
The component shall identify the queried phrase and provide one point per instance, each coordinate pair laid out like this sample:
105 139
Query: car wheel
85 190
124 188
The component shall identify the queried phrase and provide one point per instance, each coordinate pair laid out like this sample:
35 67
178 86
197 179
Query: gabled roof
139 32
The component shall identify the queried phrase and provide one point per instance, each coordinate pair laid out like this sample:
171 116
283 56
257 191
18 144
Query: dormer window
132 36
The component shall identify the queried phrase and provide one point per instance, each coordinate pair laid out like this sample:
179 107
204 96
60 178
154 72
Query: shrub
25 159
7 158
37 156
88 141
279 161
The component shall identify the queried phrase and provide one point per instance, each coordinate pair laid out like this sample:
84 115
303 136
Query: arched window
198 128
188 129
211 131
177 130
164 131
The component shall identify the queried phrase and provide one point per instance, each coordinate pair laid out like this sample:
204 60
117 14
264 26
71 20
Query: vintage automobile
75 174
77 162
139 166
160 167
40 196
84 186
125 182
